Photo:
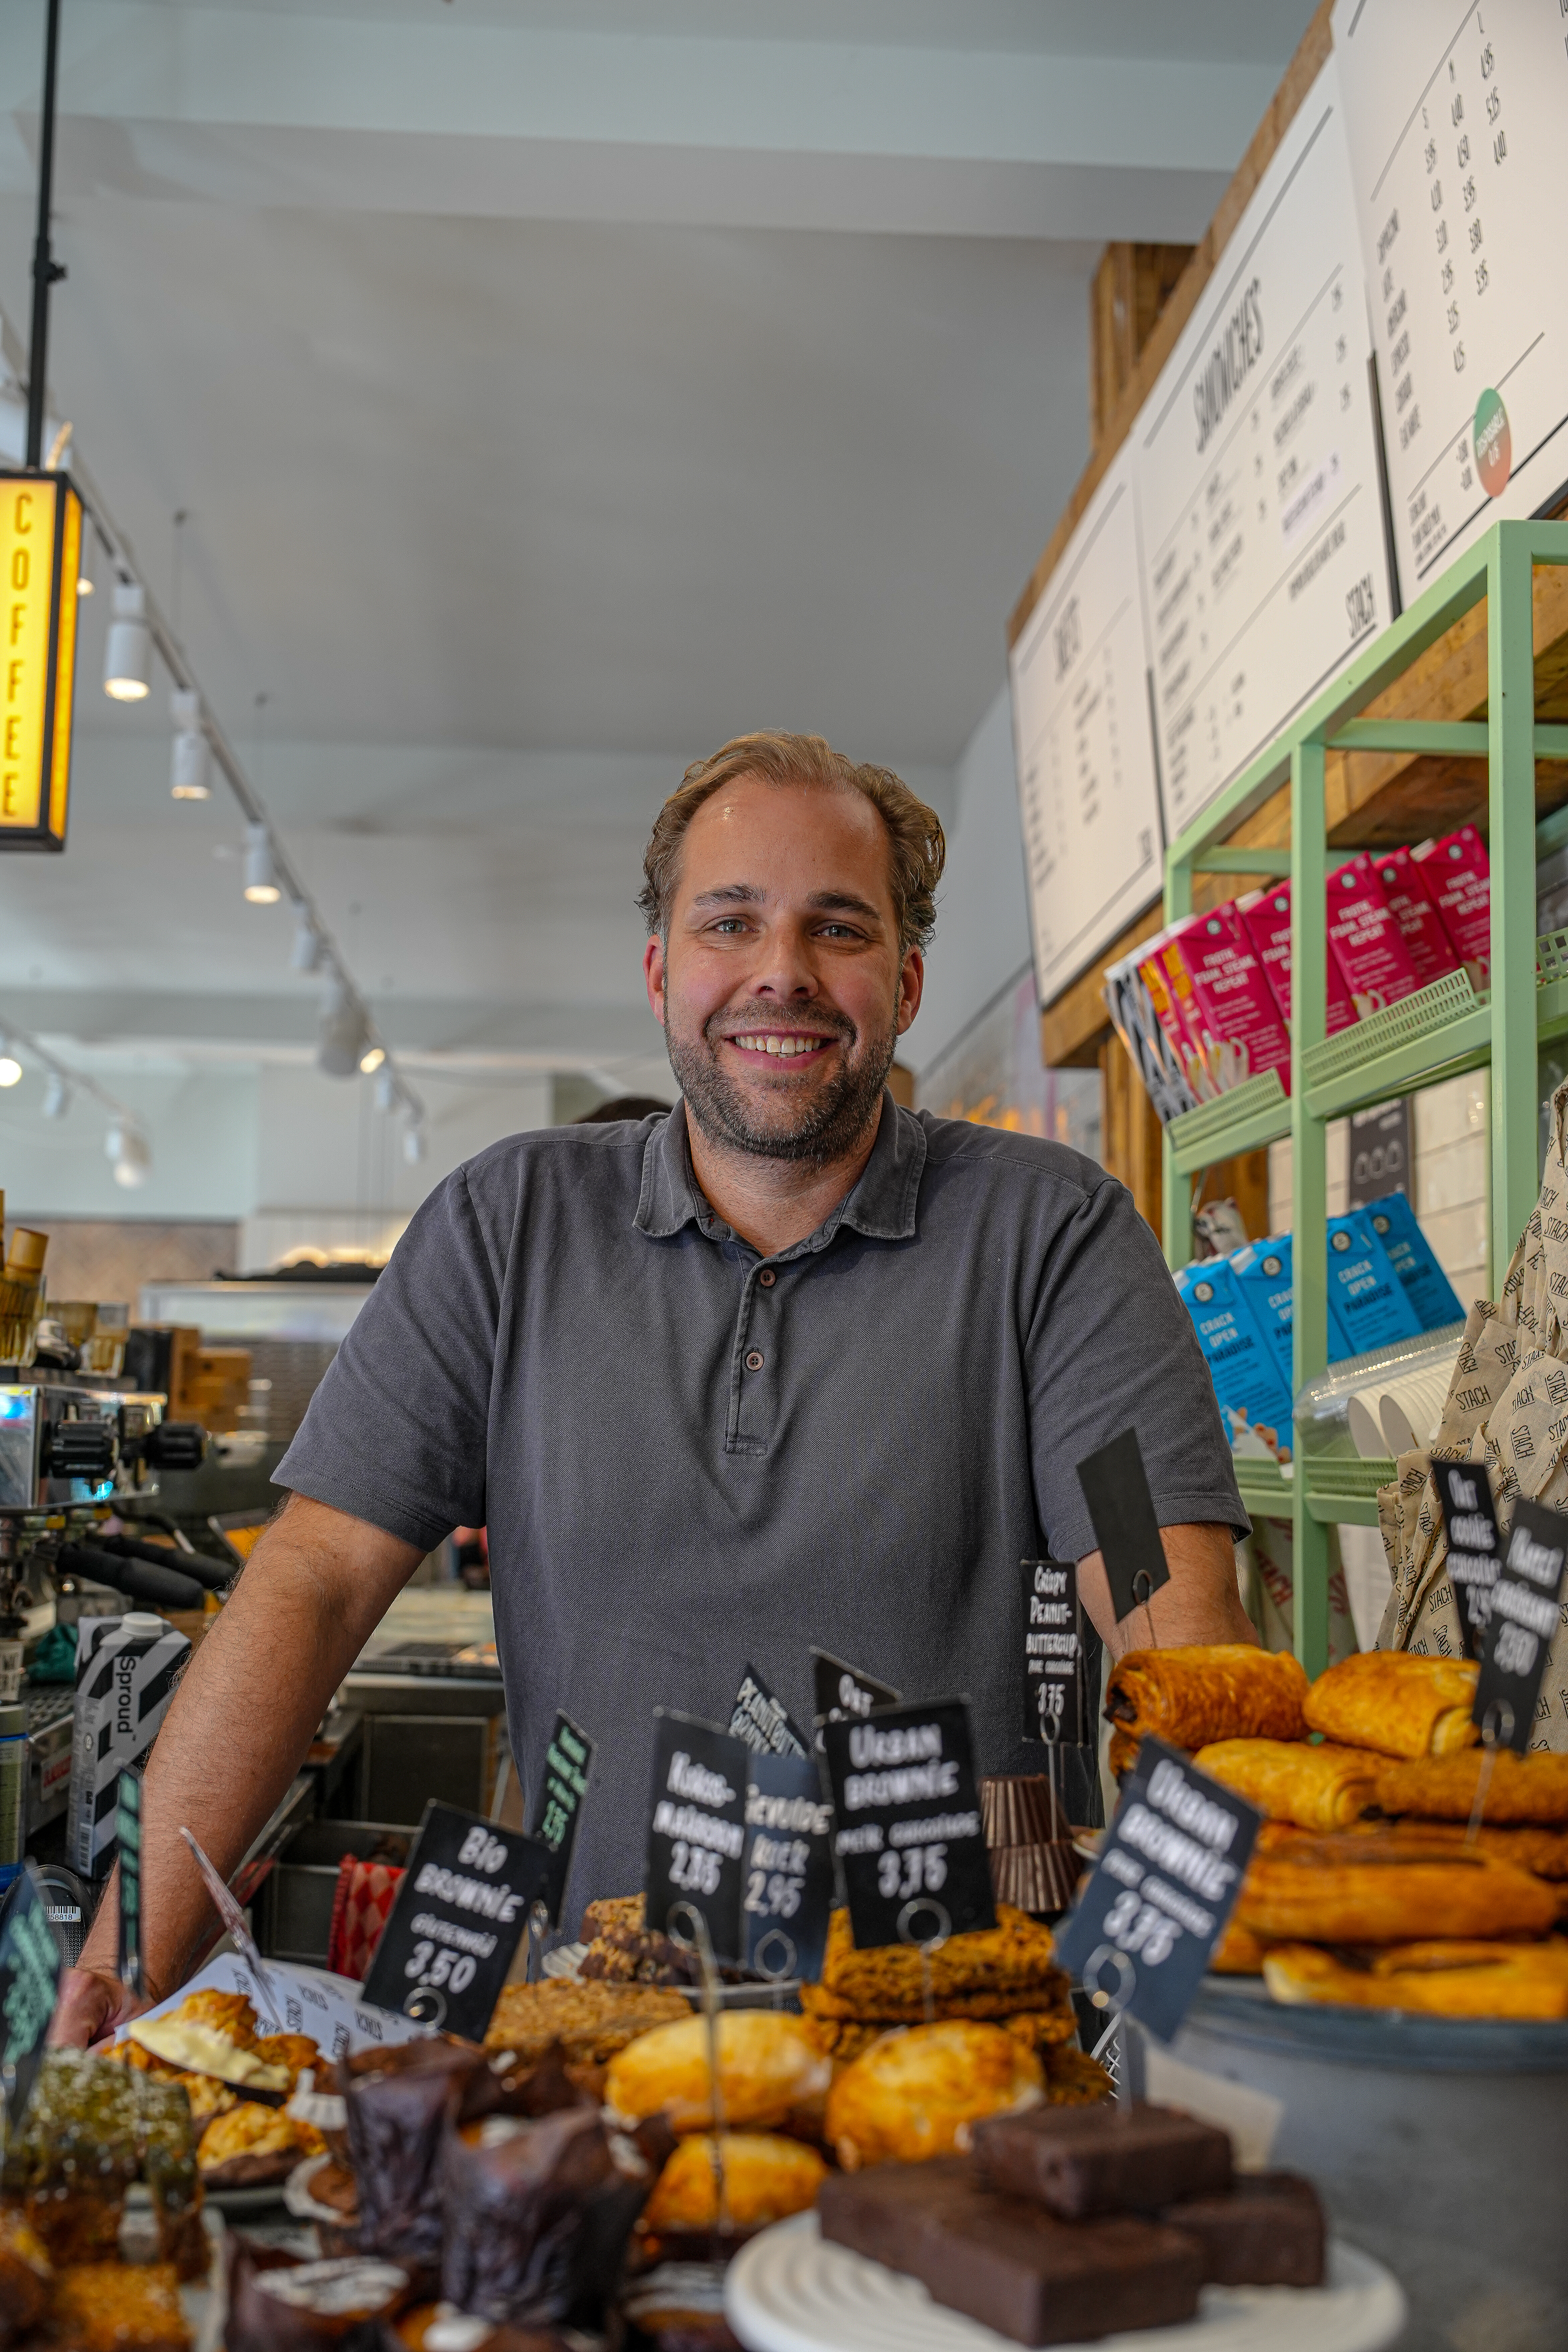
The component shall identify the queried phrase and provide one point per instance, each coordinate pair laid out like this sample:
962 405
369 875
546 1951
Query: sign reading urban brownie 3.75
909 1835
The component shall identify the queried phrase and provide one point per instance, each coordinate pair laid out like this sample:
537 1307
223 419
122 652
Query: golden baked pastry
25 2275
1466 1979
1531 1788
1395 1703
211 2033
1315 1787
911 2094
1073 2079
1122 1753
1219 1690
252 2144
118 2307
1542 1852
889 1980
768 2067
207 2096
293 2051
983 2008
228 2013
1239 1953
1040 2029
765 2179
591 2021
1336 1890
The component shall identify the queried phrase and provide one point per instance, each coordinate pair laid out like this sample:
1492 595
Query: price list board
1087 793
1264 557
1455 116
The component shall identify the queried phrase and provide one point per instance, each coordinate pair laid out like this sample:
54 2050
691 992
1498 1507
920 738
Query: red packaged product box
1266 915
1458 876
1365 938
1170 1012
1231 987
1420 924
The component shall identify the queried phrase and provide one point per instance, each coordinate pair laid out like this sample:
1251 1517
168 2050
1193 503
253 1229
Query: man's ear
911 987
652 977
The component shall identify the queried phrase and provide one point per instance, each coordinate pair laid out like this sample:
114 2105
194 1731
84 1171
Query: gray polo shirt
691 1458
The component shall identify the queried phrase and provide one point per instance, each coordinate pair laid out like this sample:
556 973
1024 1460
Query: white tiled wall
1450 1186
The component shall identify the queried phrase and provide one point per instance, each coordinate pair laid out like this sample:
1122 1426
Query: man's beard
821 1131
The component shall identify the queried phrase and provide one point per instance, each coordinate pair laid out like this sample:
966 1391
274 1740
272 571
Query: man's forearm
246 1713
1200 1603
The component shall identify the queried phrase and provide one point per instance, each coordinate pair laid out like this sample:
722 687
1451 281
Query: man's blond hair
917 846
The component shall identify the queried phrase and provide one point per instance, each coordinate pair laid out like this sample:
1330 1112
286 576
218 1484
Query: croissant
1222 1690
1443 1788
1528 1980
1291 1781
1339 1891
1397 1705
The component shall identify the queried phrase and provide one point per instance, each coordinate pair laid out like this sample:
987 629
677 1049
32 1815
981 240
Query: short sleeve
1109 1346
396 1432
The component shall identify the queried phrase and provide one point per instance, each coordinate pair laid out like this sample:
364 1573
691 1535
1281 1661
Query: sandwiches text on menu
697 1828
908 1828
1475 1545
1526 1612
1056 1698
460 1912
1162 1893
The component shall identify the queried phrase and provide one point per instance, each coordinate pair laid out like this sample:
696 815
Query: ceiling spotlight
84 566
192 758
385 1090
126 1147
10 1067
128 652
371 1060
413 1145
57 1097
343 1033
307 953
260 875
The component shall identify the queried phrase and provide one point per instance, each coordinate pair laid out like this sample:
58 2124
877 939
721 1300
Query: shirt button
754 1361
767 1278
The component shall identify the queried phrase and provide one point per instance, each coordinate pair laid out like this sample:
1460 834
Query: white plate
789 2291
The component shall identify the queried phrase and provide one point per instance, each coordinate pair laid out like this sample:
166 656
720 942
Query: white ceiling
553 391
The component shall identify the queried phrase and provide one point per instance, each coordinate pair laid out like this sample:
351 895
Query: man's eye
840 931
729 923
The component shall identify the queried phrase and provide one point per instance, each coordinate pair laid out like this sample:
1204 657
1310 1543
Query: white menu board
1457 118
1080 731
1259 505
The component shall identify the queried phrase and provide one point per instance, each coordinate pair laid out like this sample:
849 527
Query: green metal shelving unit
1435 1034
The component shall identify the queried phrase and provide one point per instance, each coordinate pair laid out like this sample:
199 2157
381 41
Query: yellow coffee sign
40 545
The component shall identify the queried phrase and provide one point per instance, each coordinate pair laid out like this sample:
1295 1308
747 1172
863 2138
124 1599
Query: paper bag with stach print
1508 1408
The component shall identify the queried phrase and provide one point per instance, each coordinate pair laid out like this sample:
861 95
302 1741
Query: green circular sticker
1494 445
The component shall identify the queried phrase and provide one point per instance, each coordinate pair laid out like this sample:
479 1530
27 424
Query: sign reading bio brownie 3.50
909 1835
460 1912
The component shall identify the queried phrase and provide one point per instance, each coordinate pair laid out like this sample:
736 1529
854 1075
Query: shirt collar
881 1205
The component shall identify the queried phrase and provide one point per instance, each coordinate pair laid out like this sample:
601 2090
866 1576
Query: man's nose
784 968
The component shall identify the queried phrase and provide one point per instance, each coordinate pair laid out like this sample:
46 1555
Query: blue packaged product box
1368 1296
1266 1273
1242 1362
1426 1287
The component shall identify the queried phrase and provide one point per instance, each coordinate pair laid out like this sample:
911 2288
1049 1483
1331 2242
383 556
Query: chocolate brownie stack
1068 2223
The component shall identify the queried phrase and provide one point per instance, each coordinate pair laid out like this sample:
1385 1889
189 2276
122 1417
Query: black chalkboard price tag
128 1840
761 1720
1121 1512
567 1762
30 1969
1525 1613
1158 1899
1475 1545
696 1828
789 1867
909 1829
1055 1684
843 1691
460 1912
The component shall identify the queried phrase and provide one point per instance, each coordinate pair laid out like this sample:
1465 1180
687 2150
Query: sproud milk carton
126 1669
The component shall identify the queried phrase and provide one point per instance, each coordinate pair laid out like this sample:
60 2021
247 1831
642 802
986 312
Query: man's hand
1200 1603
92 2003
313 1592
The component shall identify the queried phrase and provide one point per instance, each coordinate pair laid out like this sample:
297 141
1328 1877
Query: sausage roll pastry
1515 1980
1443 1788
1317 1788
1221 1690
1397 1705
1343 1892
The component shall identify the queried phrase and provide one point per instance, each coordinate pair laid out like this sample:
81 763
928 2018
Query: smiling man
789 1366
